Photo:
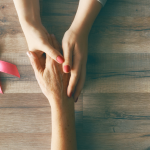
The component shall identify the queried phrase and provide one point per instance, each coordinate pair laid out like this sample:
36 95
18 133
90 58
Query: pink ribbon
8 68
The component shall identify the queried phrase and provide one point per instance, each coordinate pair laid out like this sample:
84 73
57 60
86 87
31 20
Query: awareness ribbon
8 68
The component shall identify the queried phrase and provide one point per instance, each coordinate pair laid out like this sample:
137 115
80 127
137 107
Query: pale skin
53 83
65 86
74 42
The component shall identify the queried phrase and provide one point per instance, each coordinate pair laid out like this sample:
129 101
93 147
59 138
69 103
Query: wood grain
113 109
32 141
118 113
114 141
30 113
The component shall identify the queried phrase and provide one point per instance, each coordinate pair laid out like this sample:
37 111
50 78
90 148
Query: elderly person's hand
53 83
49 74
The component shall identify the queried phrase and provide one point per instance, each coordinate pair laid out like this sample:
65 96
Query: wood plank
107 141
106 73
122 38
126 8
117 8
119 113
117 73
32 141
112 8
30 113
114 141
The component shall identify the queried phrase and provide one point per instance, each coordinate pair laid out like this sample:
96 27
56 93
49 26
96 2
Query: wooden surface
113 111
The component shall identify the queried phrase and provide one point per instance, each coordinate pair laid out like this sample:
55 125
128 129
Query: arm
85 16
37 37
28 11
75 44
53 83
63 126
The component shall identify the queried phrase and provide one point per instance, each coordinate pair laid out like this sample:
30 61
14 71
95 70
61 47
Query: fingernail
76 100
28 54
67 68
60 59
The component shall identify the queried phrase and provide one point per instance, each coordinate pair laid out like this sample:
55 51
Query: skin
53 83
35 33
74 42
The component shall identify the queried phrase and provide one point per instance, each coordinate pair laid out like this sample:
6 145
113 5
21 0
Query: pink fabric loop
8 68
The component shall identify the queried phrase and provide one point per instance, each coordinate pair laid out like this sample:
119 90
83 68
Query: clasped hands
57 74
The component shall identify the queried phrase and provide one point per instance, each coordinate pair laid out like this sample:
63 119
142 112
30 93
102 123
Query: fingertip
66 69
60 59
69 92
76 100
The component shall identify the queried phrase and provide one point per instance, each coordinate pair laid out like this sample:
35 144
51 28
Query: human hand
39 41
75 47
51 79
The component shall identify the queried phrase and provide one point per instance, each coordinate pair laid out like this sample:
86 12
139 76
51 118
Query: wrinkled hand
75 53
50 76
39 41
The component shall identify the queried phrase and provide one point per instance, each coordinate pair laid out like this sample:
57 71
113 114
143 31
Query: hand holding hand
52 81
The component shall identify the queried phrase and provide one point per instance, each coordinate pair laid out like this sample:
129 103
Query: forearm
63 126
28 11
85 16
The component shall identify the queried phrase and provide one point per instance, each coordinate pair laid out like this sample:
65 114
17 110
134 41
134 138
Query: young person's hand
36 35
75 47
39 41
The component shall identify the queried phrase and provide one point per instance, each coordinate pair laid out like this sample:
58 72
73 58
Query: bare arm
63 126
85 16
53 83
28 10
37 37
75 44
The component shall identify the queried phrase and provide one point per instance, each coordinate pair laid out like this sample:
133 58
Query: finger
75 74
35 62
55 43
67 51
80 84
53 53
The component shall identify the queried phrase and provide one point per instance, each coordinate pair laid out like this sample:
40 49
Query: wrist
29 22
61 104
80 28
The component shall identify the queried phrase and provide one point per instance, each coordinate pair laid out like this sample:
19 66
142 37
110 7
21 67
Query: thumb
35 62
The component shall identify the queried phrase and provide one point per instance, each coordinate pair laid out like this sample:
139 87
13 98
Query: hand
39 41
52 81
74 46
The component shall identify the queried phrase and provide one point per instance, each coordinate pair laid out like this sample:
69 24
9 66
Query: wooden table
113 111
